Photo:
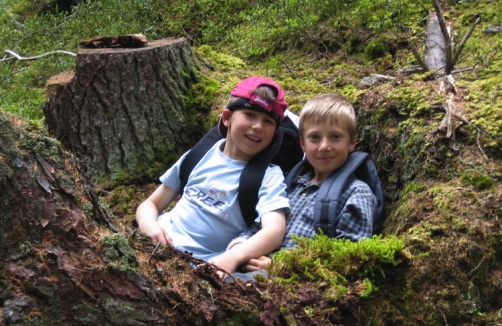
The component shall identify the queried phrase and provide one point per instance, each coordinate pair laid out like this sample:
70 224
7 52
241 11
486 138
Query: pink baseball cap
245 89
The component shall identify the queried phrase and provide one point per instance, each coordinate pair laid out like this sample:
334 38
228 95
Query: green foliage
271 27
202 21
375 49
328 262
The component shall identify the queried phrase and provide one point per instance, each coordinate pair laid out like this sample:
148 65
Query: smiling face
327 145
249 132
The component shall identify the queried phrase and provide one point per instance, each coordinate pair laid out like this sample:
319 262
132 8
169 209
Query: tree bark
122 110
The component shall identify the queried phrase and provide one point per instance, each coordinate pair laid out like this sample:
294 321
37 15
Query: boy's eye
249 114
335 136
313 137
270 121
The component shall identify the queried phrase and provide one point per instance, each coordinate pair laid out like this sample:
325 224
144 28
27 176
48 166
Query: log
435 57
122 110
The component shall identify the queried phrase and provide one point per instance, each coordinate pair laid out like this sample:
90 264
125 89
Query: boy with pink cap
207 216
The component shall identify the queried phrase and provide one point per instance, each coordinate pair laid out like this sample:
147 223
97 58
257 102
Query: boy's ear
352 144
302 143
225 117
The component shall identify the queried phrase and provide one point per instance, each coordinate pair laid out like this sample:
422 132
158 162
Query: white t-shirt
207 217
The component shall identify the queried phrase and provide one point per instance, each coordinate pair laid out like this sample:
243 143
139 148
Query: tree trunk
122 110
60 265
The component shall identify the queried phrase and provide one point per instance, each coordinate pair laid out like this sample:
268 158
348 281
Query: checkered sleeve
357 213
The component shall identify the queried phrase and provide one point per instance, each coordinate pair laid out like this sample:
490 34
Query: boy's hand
257 264
156 232
149 210
225 261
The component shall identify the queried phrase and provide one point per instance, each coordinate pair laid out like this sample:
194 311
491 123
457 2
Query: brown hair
267 92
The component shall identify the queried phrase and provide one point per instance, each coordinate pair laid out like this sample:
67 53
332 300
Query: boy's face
249 132
326 146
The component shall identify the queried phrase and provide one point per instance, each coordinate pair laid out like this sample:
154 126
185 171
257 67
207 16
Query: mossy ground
443 194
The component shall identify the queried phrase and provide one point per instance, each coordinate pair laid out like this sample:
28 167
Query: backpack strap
369 174
329 194
296 170
195 155
252 176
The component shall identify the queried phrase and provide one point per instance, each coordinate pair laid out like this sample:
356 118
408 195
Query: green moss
202 94
327 262
119 252
375 49
479 181
221 61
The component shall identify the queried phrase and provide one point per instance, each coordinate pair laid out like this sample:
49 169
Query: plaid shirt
355 212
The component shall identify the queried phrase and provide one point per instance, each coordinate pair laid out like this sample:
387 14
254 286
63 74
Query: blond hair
331 107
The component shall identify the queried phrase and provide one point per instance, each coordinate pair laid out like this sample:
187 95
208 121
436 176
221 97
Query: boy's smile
327 146
249 132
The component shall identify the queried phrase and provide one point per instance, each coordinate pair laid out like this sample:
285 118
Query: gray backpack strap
328 195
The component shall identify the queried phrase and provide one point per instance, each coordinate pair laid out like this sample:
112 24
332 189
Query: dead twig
475 268
20 58
423 6
153 252
289 68
478 138
417 56
458 71
464 40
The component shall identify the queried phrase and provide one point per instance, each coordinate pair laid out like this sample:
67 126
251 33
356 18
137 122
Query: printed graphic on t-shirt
213 199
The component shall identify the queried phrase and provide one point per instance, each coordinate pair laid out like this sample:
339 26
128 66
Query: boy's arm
149 210
356 221
268 238
244 236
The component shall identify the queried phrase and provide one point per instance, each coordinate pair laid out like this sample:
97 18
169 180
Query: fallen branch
464 40
447 123
20 58
384 77
465 69
478 138
421 62
411 70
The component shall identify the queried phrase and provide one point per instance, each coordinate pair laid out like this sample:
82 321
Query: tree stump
122 110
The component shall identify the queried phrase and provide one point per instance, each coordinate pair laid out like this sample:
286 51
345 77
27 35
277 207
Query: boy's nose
325 145
258 124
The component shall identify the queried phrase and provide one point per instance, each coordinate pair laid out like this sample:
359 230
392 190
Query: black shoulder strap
328 195
196 153
369 174
252 176
296 170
